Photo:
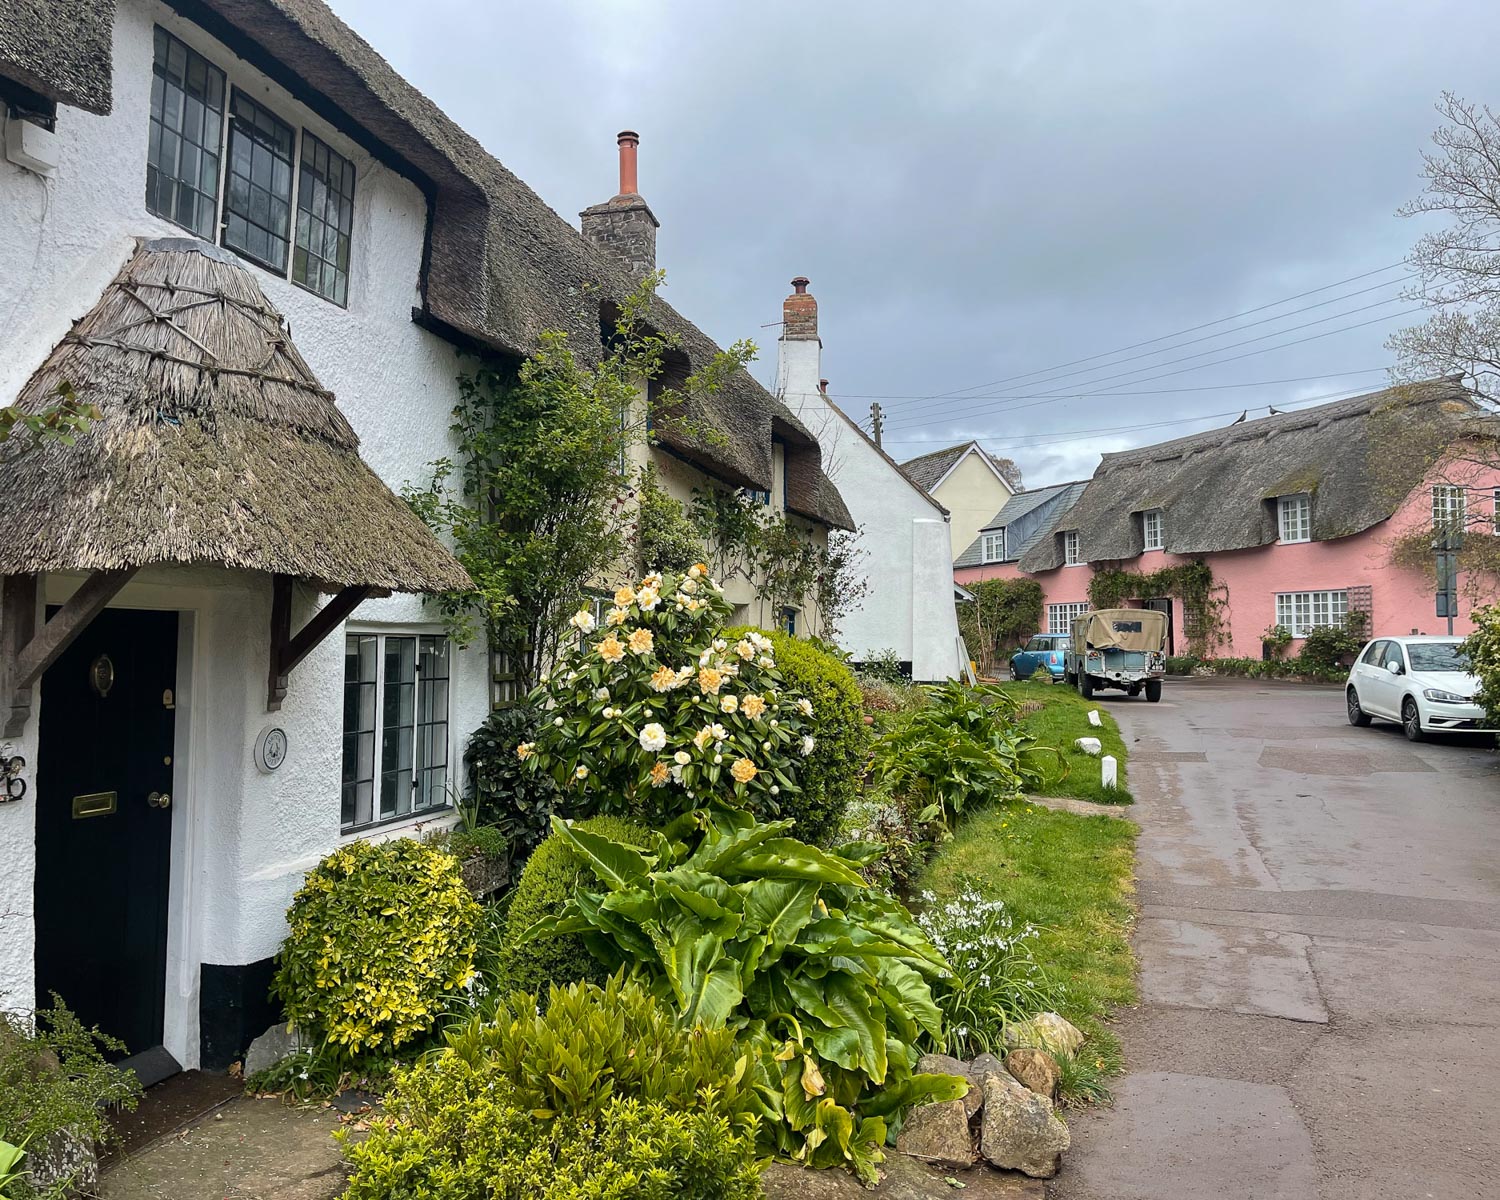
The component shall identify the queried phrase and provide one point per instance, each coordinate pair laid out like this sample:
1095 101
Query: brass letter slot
96 804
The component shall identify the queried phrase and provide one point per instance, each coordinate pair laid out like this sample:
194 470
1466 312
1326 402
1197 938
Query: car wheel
1411 720
1153 690
1357 714
1086 686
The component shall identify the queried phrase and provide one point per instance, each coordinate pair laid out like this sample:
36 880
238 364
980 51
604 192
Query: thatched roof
216 445
1217 490
59 49
1027 518
502 266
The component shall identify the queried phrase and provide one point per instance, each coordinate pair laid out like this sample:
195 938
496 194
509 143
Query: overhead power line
1202 387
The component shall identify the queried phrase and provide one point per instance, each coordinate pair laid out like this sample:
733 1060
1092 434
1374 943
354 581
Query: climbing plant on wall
1002 613
1192 584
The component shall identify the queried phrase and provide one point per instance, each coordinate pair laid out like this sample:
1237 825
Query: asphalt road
1319 940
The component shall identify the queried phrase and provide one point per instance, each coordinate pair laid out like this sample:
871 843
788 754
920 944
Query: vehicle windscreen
1437 656
1039 643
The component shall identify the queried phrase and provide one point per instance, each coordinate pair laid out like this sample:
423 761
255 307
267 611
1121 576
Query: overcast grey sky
981 191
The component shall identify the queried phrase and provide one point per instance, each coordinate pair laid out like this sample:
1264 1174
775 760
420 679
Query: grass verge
1062 717
1072 877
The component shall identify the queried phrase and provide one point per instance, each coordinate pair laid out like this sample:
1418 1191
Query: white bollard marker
1094 717
1088 745
1108 771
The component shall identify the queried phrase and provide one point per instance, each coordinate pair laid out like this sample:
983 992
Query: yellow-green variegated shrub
658 712
380 937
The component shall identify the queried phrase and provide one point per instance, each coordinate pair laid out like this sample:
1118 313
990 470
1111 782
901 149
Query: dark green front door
104 824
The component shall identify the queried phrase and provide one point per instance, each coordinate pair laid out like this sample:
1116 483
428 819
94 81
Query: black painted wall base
234 1008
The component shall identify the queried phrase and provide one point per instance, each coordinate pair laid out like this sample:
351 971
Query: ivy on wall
1191 584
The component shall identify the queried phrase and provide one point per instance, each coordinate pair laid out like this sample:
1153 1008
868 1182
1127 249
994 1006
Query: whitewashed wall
909 608
241 839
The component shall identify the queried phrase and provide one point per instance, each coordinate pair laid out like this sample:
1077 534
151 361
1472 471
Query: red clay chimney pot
628 140
799 285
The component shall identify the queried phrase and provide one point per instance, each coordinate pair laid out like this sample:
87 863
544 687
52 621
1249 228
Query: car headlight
1443 697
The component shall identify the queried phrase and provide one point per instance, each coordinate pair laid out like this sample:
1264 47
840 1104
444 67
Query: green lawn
1063 716
1070 876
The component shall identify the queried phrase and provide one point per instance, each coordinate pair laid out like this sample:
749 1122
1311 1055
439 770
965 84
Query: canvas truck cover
1121 629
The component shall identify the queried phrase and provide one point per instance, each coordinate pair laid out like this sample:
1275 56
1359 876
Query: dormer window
1072 557
993 548
1151 530
1295 518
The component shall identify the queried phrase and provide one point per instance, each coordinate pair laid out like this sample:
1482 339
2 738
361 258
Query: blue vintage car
1044 652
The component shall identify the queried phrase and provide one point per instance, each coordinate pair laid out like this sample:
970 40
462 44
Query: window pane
187 98
325 220
359 729
259 202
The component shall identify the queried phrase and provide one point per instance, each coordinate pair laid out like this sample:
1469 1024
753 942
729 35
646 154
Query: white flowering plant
995 978
655 713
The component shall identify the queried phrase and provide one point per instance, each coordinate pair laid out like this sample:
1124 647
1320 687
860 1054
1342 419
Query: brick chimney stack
625 225
799 313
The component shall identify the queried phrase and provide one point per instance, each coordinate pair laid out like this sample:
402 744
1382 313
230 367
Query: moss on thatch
215 444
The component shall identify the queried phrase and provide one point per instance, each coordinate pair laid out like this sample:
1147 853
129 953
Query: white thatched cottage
234 229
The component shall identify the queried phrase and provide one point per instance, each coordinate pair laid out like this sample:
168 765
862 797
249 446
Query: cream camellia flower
703 737
625 596
767 662
523 751
641 641
804 705
696 570
720 645
608 713
682 758
601 694
743 770
653 738
616 616
690 585
728 703
744 649
557 721
648 598
652 580
663 679
719 732
809 743
752 706
710 681
610 649
660 773
582 620
718 758
581 773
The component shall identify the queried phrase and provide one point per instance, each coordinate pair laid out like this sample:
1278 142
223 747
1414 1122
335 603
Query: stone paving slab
248 1150
904 1179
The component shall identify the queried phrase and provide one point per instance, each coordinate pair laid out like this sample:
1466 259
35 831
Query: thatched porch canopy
216 445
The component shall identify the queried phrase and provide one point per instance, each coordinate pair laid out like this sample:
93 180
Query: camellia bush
736 925
1483 649
380 937
656 713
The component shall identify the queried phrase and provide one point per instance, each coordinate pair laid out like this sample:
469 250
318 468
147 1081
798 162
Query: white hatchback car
1422 682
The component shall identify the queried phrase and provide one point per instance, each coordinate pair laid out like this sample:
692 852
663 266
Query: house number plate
95 804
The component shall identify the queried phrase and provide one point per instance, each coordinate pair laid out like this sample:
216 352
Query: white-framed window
395 727
1071 554
1151 530
1302 612
225 167
1450 507
1060 616
993 548
1294 518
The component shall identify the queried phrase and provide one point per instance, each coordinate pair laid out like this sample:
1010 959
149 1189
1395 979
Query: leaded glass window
258 184
325 220
187 118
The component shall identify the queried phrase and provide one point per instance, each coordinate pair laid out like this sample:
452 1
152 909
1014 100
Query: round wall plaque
270 749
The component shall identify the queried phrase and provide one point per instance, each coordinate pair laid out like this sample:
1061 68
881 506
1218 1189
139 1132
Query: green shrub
484 842
1483 648
829 777
737 925
506 793
1324 646
884 666
1183 664
666 540
53 1080
552 875
601 1097
380 937
881 816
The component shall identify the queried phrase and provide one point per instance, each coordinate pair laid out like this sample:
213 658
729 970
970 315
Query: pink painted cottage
1302 518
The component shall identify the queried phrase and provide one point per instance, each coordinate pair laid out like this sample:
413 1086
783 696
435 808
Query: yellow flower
648 598
581 773
710 681
752 706
696 570
616 616
660 773
728 703
652 580
610 649
523 751
663 679
743 770
689 586
744 649
703 737
624 596
641 641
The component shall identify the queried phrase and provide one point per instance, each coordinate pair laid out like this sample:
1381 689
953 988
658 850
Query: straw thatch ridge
59 49
216 444
1217 490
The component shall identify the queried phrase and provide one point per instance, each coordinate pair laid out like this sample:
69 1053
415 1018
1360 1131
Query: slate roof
1217 489
502 267
1061 495
926 469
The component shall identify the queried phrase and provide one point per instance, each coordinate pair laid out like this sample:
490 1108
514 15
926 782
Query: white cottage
230 226
903 531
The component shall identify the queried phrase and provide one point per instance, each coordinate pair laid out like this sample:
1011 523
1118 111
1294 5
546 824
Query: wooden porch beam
287 649
28 651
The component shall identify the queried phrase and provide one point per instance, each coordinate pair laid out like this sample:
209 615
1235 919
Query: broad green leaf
916 1089
779 908
807 995
851 1000
908 998
838 935
706 981
863 853
787 858
555 924
720 849
617 865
